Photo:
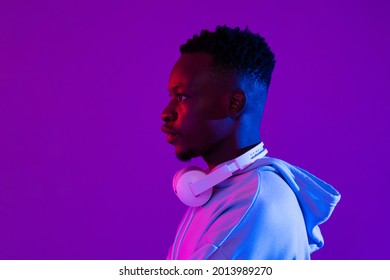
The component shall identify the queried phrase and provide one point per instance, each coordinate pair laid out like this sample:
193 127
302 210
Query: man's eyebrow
175 88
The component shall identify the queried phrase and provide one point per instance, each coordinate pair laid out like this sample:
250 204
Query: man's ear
236 104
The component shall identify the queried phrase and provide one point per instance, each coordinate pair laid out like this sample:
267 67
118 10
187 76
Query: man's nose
169 115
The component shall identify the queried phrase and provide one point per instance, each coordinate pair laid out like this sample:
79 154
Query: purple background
85 172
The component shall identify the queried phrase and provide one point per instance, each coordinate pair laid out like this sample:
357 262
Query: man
259 207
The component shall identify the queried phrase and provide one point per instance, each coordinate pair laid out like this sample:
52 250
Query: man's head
218 88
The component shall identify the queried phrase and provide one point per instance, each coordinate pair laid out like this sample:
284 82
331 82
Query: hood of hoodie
316 198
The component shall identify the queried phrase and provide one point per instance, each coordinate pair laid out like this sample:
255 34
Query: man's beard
186 155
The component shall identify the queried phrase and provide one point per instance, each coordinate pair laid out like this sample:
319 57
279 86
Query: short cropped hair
240 51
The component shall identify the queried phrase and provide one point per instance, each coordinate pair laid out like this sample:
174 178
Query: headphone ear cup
181 186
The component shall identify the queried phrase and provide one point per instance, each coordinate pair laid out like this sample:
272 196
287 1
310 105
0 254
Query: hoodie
269 210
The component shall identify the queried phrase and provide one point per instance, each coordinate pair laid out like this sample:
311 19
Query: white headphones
194 186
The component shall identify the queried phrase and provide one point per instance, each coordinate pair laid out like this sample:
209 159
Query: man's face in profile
195 118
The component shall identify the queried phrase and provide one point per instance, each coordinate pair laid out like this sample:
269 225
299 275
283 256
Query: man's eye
181 97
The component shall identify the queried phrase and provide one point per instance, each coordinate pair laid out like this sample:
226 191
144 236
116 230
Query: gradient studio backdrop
85 172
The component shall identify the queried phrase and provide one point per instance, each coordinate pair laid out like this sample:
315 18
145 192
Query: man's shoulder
262 207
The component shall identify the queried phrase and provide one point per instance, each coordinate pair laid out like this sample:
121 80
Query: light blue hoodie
269 210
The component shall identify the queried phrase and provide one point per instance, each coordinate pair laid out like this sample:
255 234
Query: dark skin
206 115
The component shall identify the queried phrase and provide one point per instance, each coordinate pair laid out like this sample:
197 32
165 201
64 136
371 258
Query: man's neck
223 154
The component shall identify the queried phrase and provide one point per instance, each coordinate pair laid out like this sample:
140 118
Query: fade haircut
234 50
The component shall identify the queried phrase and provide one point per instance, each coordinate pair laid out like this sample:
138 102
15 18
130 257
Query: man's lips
172 134
168 130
